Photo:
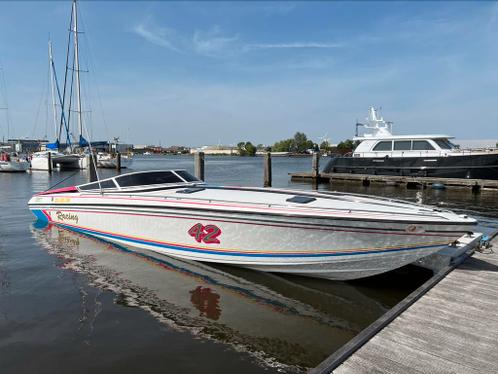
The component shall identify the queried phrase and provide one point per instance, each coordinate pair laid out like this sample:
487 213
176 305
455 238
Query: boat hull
64 162
483 166
111 163
316 247
14 166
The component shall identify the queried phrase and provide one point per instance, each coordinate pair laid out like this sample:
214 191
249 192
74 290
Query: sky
197 73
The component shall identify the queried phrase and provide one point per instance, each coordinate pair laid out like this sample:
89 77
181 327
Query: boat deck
453 328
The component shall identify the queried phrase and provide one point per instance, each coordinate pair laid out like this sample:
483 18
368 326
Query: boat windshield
444 144
145 178
154 177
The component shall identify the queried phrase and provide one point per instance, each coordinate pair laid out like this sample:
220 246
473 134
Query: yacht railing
428 153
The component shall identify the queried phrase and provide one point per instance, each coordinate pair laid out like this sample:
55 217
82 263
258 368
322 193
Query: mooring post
118 161
92 172
267 170
49 162
199 165
315 165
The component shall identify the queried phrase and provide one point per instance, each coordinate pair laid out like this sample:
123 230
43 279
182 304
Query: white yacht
381 152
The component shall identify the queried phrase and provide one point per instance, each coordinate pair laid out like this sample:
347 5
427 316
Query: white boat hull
111 163
331 249
14 166
63 162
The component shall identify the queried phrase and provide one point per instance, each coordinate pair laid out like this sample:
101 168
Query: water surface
69 302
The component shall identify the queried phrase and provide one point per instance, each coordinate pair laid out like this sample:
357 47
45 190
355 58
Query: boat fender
438 186
484 243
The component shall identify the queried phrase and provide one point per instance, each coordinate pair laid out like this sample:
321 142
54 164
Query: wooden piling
199 165
49 162
92 172
267 170
118 161
315 165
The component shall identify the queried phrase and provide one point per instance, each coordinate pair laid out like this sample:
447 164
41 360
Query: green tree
246 149
283 146
241 148
250 149
325 146
301 143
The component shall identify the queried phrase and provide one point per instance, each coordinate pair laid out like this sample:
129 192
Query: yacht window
443 143
384 146
402 145
187 176
142 179
422 145
95 186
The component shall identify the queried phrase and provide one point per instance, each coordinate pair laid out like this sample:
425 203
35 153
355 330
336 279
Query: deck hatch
300 199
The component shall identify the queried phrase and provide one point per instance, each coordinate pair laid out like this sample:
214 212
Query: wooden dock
450 326
367 179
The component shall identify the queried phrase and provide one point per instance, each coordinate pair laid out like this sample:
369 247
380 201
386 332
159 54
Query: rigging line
63 117
69 111
93 158
42 99
65 74
59 182
91 64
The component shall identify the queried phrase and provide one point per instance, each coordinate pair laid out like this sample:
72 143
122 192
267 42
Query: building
27 145
216 150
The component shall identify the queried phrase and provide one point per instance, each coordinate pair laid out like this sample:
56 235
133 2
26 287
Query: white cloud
290 45
212 43
160 36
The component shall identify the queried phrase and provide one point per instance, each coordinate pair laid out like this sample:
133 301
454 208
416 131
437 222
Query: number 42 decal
207 234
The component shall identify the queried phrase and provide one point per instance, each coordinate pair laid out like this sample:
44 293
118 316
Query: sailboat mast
77 69
52 83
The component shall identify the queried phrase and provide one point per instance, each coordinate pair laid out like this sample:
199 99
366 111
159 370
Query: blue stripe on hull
132 241
40 216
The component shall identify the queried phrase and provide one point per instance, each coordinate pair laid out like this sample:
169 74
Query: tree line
297 144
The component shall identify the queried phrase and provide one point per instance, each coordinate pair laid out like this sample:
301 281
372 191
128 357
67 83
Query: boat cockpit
142 180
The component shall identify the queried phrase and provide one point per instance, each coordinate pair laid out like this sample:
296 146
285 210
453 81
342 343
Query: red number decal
212 233
196 232
207 234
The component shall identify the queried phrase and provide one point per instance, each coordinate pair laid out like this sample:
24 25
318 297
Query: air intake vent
300 199
191 190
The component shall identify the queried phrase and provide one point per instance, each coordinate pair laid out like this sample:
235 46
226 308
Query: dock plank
453 328
488 184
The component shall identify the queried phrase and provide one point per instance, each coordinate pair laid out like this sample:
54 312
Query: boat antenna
358 124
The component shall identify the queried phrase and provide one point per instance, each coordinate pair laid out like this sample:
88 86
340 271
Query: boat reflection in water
279 321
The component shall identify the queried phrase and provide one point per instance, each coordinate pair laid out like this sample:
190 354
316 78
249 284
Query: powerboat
12 162
380 152
109 161
318 234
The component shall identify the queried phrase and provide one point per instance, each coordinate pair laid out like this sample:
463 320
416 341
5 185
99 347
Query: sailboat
10 161
63 155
